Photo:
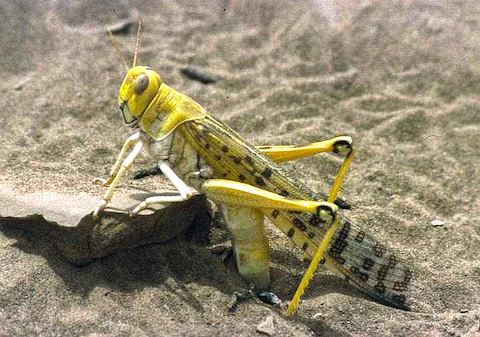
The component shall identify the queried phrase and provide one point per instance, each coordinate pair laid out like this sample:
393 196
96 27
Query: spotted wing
353 254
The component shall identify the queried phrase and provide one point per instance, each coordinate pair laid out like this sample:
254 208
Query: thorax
183 158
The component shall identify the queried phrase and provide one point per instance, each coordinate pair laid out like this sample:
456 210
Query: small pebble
266 326
196 75
122 27
437 223
20 85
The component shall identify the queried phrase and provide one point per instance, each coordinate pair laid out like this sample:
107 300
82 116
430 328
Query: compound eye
141 83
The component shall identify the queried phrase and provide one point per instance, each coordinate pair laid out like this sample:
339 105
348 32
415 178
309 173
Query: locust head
137 92
146 102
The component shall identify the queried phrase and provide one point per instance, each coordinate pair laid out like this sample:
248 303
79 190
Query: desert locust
200 154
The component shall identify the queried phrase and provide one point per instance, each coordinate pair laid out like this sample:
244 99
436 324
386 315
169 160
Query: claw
101 181
264 296
98 180
140 207
238 296
267 297
101 206
95 212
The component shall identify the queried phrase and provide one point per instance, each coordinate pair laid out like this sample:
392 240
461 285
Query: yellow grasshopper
200 154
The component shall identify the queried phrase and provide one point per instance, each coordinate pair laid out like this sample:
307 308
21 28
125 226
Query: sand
401 78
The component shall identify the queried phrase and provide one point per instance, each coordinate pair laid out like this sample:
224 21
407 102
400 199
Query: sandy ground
402 79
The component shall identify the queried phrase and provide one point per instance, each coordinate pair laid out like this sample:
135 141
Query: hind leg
249 243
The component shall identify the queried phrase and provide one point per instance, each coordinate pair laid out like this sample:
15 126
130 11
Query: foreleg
118 169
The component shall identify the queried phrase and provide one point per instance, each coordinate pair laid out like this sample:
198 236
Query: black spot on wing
408 275
360 236
379 249
314 220
260 182
267 173
236 160
382 273
400 286
275 213
361 275
380 287
299 224
368 263
392 261
291 232
249 161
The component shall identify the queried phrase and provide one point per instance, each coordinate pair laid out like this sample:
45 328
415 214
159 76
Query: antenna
137 44
117 49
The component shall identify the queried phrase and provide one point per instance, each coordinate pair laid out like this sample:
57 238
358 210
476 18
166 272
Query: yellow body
158 108
247 181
